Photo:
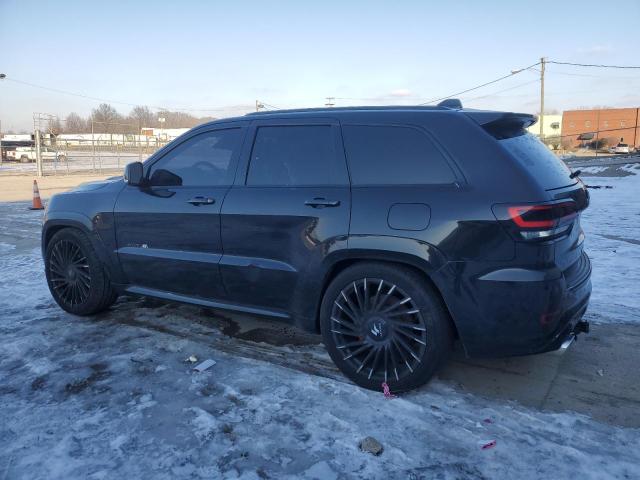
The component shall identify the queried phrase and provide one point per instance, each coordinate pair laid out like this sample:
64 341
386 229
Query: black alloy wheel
385 323
379 329
77 279
69 273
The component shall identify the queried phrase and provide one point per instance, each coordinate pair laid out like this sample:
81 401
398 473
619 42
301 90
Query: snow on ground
612 241
96 398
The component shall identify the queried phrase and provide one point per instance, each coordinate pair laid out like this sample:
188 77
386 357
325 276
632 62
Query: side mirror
134 174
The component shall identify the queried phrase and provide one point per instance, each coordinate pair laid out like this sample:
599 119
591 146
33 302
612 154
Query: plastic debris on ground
201 367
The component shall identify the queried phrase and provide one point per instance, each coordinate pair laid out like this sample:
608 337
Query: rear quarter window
544 166
394 155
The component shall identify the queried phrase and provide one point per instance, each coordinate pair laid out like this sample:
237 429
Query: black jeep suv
392 231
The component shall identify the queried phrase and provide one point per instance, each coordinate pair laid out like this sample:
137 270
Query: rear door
168 232
288 211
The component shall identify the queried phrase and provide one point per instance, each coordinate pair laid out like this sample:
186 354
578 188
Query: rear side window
300 155
390 155
544 166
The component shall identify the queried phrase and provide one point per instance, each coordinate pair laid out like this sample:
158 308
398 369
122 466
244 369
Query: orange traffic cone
37 203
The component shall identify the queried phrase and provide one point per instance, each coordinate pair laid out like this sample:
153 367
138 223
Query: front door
289 211
168 231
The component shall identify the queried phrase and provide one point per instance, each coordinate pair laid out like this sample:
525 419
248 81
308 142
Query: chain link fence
105 150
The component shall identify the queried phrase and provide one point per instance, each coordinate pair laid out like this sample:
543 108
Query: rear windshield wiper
575 174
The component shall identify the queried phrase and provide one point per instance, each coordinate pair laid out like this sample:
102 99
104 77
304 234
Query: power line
99 99
501 91
587 75
514 72
594 65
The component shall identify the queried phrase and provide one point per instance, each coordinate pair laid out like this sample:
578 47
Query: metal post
542 62
38 154
635 131
93 147
597 130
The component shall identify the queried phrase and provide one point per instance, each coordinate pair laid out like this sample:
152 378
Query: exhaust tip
567 343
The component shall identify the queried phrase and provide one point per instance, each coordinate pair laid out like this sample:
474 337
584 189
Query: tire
76 277
24 159
62 158
404 346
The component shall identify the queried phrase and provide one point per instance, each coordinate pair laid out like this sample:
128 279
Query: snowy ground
612 228
112 396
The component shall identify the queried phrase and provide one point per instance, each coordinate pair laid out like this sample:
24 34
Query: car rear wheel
384 323
76 277
24 159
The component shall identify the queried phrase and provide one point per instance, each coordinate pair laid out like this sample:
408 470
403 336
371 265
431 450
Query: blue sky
202 55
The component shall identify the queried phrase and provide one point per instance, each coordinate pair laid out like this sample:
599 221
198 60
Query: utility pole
38 152
542 62
259 105
330 102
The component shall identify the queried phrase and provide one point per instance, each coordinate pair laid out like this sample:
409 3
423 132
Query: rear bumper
512 312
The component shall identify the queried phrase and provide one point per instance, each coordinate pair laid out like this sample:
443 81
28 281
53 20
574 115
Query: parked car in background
28 154
392 231
8 145
621 148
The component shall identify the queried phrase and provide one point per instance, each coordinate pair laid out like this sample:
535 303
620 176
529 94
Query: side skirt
174 297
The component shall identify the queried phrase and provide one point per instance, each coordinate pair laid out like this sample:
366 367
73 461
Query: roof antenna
452 103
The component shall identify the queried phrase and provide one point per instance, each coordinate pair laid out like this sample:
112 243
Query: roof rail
452 103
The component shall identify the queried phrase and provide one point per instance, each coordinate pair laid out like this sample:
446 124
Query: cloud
596 50
401 92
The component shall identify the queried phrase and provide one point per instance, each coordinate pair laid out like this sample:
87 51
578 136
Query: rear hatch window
509 129
544 166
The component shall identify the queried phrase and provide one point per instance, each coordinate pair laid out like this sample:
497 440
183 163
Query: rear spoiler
502 125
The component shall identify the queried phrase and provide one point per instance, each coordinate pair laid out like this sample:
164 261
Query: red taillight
532 216
543 216
537 221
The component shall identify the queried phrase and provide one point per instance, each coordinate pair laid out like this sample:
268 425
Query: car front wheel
385 323
76 277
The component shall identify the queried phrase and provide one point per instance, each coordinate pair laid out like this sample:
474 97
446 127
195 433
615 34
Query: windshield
536 157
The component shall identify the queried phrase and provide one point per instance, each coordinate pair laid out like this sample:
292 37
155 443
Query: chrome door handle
322 202
201 201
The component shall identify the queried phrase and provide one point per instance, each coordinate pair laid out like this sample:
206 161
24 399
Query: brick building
617 125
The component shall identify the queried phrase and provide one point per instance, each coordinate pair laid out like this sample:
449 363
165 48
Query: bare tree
74 123
181 119
142 116
105 116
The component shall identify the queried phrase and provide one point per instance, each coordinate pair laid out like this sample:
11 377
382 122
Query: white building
551 126
164 134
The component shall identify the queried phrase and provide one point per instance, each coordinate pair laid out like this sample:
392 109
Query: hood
91 186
